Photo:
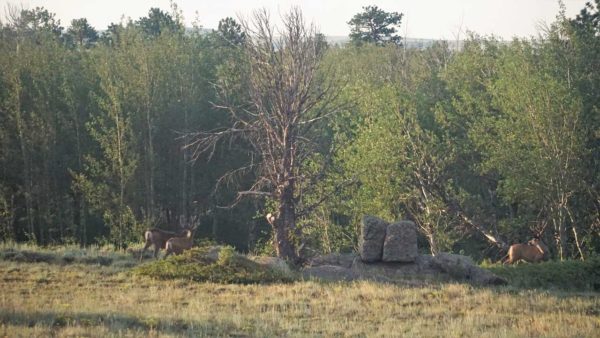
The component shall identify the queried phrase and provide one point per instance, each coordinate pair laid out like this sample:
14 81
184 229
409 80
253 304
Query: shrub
566 275
212 264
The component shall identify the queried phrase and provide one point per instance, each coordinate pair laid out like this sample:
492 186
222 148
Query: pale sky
433 19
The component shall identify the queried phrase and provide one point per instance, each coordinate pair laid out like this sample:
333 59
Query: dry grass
41 299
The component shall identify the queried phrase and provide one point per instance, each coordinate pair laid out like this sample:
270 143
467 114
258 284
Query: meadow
92 292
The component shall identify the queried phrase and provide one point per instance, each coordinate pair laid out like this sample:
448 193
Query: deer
176 245
158 238
534 251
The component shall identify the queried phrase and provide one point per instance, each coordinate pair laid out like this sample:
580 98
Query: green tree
106 178
375 25
158 22
82 33
231 32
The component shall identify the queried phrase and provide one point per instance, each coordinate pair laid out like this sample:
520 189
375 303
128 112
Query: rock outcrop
400 243
443 267
463 268
371 238
388 253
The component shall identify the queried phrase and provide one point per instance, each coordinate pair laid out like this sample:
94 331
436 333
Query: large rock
372 235
273 263
460 267
332 273
339 259
400 243
425 268
394 272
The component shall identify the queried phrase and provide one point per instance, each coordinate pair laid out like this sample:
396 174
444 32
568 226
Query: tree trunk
433 247
150 163
27 181
285 223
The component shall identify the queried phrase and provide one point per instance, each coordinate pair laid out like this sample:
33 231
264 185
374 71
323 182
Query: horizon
451 19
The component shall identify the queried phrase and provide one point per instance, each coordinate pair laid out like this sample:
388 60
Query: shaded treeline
481 147
93 129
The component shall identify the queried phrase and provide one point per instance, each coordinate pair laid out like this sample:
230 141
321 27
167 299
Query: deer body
534 251
177 245
158 238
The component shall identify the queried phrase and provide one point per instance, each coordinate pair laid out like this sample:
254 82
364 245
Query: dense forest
145 123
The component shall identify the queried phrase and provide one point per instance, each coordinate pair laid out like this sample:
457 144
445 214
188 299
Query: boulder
273 263
340 259
372 236
389 272
463 268
331 273
442 267
400 243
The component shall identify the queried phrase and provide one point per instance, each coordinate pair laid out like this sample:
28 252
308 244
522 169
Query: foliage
376 26
483 145
231 32
81 33
158 22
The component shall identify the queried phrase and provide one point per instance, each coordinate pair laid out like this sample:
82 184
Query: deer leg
144 249
156 249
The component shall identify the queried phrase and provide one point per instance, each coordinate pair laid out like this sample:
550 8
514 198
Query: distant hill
411 43
408 42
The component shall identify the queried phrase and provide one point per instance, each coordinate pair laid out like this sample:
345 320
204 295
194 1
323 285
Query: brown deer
158 237
176 245
534 251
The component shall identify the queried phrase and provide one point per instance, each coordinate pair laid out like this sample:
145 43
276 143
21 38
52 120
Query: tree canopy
482 146
374 25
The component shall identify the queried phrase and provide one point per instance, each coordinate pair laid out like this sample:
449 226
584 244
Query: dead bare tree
285 101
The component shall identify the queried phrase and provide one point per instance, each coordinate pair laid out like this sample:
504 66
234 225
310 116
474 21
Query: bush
566 275
212 264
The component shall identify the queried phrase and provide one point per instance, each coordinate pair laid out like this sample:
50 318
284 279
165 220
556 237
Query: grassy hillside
81 298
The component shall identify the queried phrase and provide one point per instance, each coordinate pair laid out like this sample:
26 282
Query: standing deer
177 245
534 251
159 238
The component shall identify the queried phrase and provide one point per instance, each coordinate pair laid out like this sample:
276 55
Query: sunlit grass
44 299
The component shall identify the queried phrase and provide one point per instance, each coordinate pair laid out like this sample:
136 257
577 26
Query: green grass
553 275
55 298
